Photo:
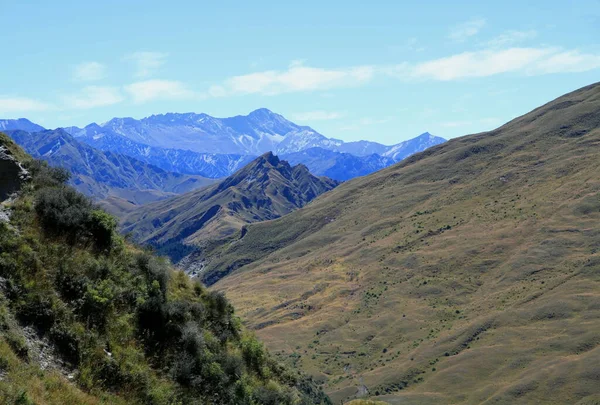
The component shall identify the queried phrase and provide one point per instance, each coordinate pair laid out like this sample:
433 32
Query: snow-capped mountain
412 146
199 144
101 174
21 124
259 132
253 134
213 165
338 165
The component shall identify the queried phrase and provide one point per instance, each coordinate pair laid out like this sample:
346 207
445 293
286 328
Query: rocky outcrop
12 174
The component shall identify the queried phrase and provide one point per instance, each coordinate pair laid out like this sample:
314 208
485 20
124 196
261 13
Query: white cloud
21 104
296 78
566 62
150 90
147 62
318 115
511 38
300 78
528 61
462 32
93 96
89 71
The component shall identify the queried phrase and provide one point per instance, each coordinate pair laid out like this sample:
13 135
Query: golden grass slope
467 274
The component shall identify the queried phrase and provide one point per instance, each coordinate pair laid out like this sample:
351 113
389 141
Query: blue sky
378 70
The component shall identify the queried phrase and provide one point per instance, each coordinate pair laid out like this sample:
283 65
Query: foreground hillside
266 188
87 319
469 273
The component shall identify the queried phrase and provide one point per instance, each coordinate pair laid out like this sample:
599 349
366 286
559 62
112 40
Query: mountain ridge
102 174
265 189
258 132
199 144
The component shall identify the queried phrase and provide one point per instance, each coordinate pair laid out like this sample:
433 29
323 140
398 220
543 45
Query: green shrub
45 175
102 226
253 352
63 211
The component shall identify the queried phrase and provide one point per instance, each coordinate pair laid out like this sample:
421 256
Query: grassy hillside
85 318
266 188
466 274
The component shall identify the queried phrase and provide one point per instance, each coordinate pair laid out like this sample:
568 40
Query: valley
402 284
300 203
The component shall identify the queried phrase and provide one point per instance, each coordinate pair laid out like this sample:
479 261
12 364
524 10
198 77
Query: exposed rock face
12 174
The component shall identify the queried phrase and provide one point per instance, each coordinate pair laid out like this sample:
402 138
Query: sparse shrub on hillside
102 227
63 211
45 175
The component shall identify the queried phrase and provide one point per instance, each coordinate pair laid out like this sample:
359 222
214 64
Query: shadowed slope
267 188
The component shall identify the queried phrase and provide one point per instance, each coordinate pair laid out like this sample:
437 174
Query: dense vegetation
125 327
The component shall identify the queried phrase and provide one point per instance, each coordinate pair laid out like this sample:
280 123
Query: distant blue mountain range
198 144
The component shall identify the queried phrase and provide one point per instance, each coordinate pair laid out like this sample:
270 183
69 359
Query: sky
384 71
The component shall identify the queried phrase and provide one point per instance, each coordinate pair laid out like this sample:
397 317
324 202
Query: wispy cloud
89 71
93 96
566 62
479 64
297 78
462 32
510 38
9 105
147 63
527 61
150 90
318 115
476 64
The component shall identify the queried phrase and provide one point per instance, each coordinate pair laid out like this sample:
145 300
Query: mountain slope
465 274
102 174
259 132
210 165
336 165
21 124
256 133
267 188
88 319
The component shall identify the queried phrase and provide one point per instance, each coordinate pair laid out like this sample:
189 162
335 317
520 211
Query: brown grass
469 273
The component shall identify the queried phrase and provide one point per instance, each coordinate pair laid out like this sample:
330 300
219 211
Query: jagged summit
257 132
266 188
269 157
